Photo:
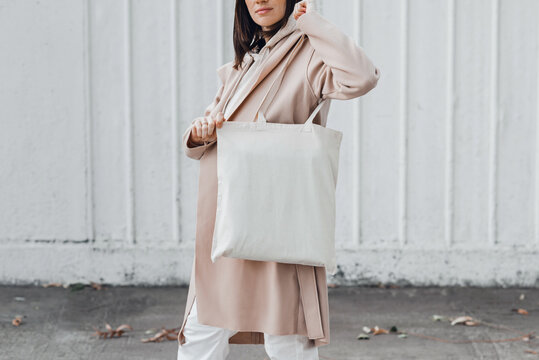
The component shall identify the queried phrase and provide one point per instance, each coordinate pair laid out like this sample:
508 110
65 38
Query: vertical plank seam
176 186
88 116
494 121
356 141
403 176
536 245
220 36
130 171
449 163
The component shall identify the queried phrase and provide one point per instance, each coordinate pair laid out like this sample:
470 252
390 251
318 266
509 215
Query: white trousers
205 342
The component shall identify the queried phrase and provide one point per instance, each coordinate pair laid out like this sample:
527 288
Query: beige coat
257 297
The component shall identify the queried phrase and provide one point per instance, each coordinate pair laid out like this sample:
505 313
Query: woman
283 306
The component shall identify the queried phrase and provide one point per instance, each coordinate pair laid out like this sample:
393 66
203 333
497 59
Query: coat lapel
276 56
234 80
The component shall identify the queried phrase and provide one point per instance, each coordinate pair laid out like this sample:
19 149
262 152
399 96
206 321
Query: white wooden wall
438 183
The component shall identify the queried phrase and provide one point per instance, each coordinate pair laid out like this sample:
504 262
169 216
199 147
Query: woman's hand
203 128
304 7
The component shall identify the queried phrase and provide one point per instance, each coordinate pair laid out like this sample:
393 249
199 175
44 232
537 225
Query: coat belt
309 298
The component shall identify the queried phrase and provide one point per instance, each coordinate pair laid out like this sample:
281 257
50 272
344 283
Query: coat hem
256 337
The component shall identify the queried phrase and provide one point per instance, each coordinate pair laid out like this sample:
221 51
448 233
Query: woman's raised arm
338 67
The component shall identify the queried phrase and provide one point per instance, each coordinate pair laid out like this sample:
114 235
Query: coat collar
278 46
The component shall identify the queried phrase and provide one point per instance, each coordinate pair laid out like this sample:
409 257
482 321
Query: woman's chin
266 22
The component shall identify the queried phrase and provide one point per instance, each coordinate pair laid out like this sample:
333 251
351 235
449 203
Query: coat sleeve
195 151
338 68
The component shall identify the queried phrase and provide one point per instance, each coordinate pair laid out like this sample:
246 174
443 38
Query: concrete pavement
58 323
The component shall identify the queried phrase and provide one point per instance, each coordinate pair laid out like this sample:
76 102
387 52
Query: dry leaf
168 334
95 285
378 331
439 318
363 336
17 321
462 320
521 311
531 352
52 285
375 330
366 329
110 332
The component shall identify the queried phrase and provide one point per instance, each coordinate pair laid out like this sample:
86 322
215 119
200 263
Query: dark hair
248 35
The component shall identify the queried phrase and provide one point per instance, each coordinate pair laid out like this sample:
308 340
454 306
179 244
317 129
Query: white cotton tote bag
276 190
